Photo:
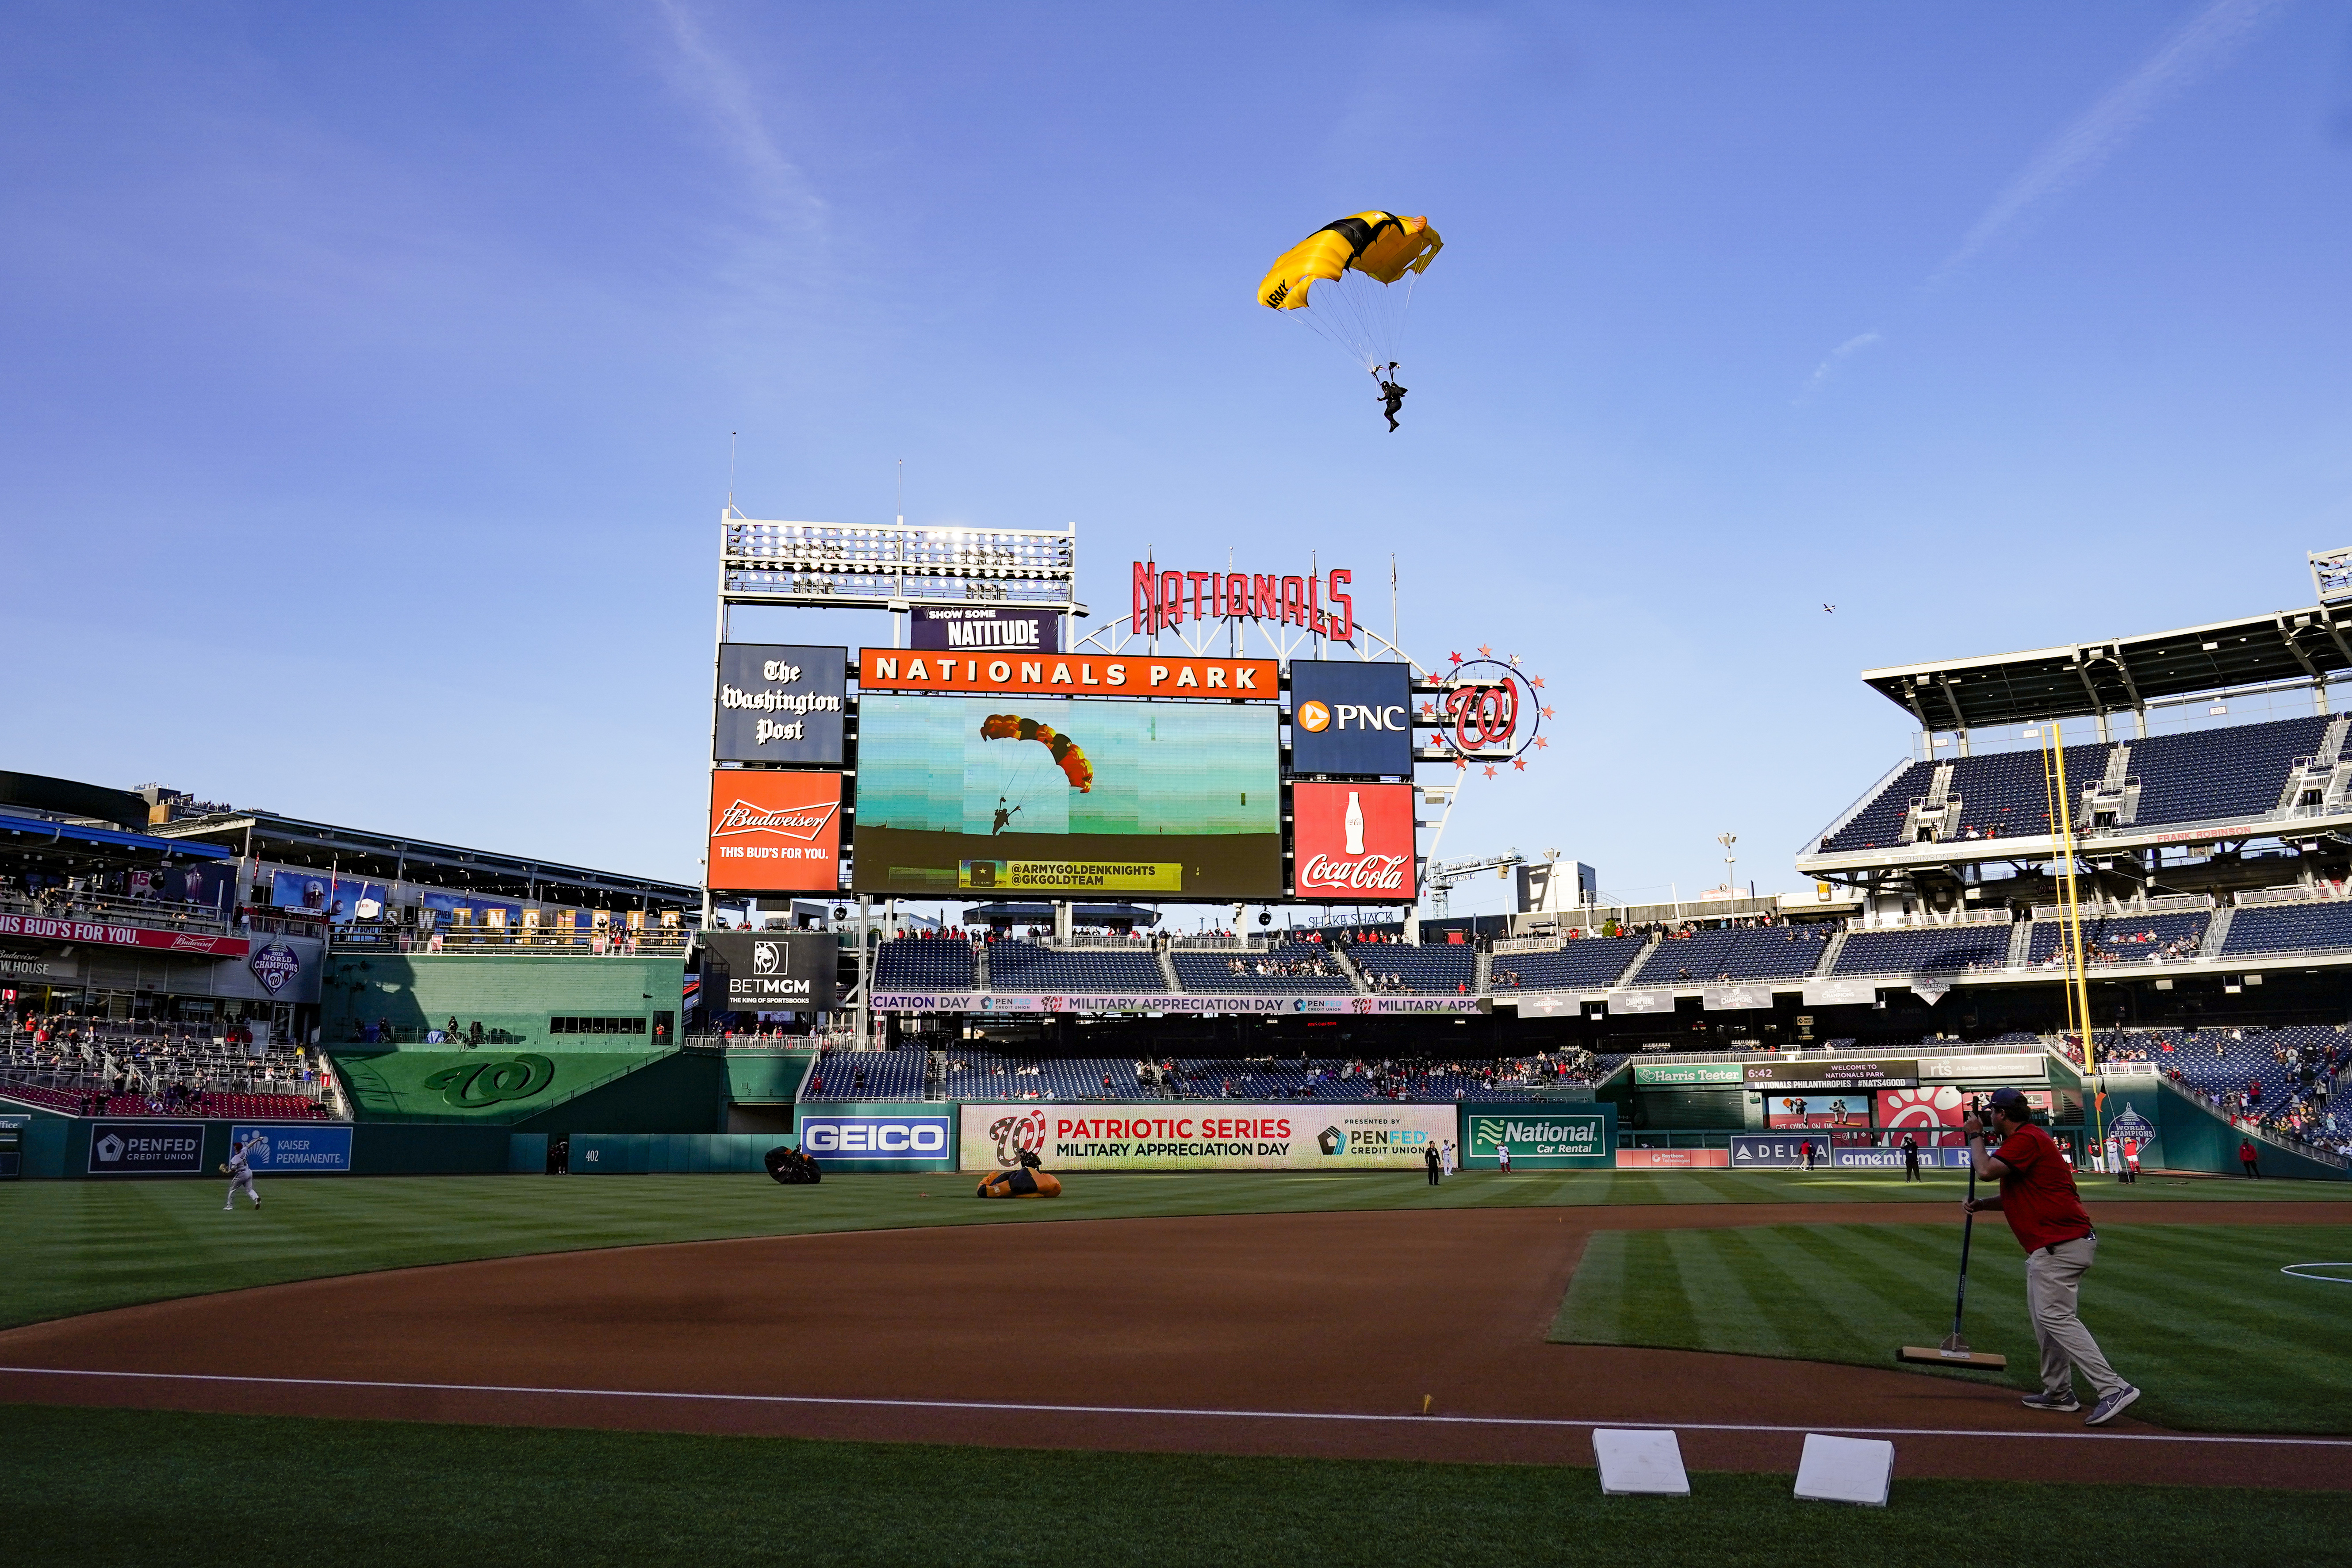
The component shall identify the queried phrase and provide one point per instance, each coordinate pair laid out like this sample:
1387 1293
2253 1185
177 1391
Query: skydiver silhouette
1003 816
1392 395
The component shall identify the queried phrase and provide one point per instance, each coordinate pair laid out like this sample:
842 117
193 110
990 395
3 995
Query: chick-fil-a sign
1165 599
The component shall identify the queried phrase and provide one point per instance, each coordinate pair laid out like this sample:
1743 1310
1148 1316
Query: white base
1846 1470
1639 1463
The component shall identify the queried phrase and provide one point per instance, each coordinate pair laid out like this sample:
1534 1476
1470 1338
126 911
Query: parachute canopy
1065 753
1338 280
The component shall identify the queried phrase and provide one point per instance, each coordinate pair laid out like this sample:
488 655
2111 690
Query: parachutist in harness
1392 395
1002 817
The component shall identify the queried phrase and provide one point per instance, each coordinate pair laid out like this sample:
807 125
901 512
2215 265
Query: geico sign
876 1137
1317 717
1369 873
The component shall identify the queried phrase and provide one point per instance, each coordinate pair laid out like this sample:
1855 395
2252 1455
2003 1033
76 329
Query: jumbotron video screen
1054 797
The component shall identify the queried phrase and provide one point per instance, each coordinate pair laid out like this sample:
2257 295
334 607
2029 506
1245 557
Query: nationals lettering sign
1350 719
1221 1137
1352 843
1144 675
111 935
1165 599
774 832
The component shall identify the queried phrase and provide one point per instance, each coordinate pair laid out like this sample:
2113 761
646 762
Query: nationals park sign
1219 1137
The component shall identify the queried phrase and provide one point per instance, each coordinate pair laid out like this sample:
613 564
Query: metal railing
653 942
156 914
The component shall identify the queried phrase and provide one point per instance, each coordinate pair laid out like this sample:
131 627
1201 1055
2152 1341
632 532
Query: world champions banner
1218 1136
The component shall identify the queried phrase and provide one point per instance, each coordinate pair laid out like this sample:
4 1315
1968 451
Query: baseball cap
2007 1099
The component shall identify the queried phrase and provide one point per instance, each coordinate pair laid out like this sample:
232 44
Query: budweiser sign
774 831
743 817
103 935
1353 842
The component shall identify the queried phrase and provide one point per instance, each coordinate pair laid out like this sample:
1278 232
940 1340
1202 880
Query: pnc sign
1350 719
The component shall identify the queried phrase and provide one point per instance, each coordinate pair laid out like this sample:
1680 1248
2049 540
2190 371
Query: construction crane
1440 876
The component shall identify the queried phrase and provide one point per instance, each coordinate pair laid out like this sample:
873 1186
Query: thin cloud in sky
1853 346
2198 48
711 79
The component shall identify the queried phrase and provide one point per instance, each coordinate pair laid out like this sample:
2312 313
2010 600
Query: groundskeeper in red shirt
2038 1197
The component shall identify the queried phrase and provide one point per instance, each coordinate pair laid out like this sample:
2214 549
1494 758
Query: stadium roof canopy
2118 675
290 841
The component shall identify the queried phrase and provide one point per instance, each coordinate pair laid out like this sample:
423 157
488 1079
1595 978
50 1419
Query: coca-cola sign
1352 843
774 831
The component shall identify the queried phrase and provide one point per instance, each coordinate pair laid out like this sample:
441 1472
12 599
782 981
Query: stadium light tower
1731 861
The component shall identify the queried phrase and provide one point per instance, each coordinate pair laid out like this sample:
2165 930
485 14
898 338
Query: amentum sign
780 703
1350 719
1352 843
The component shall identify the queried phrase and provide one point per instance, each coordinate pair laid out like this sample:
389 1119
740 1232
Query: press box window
595 1025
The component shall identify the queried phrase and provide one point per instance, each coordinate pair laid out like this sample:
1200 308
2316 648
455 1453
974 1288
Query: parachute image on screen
1051 797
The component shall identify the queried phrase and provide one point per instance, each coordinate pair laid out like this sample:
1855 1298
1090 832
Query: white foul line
994 1407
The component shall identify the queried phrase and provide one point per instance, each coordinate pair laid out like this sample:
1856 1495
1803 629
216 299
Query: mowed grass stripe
143 1487
2197 1316
84 1246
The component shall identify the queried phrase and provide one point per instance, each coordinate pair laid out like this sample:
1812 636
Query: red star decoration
1541 741
1535 681
1461 761
1490 773
1546 712
1454 657
1520 764
1485 651
1429 708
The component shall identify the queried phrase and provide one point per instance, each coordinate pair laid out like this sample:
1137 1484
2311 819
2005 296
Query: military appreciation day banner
1213 1137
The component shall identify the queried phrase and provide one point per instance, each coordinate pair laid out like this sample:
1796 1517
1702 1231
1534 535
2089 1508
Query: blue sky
366 374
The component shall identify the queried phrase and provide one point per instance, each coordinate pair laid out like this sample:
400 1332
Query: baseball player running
240 1174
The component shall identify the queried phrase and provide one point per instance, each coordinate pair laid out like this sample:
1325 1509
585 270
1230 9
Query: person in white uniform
240 1173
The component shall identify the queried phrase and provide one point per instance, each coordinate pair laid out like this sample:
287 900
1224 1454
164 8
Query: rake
1954 1350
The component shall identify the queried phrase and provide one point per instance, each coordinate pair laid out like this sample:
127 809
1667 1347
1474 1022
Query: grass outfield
2199 1316
82 1246
137 1486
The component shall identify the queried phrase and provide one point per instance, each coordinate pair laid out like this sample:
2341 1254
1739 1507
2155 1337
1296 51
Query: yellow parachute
1338 280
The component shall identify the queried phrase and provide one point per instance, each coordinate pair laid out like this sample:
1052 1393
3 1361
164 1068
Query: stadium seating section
1590 964
2289 928
1940 950
2203 775
923 963
1023 966
1301 971
1765 953
868 1075
2125 938
1417 971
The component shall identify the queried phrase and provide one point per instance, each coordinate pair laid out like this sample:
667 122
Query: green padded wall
511 995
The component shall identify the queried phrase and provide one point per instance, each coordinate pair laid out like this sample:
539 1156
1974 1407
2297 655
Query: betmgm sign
772 972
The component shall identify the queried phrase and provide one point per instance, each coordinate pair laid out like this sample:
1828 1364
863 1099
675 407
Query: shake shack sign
772 972
146 1147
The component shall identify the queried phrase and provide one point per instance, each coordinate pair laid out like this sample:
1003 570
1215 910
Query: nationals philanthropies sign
1222 1137
774 832
1352 843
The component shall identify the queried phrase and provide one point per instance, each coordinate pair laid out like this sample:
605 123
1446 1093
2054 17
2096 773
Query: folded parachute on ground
1024 1181
792 1168
1065 753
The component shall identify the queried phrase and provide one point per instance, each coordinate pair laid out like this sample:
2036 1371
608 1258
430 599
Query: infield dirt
1162 1325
